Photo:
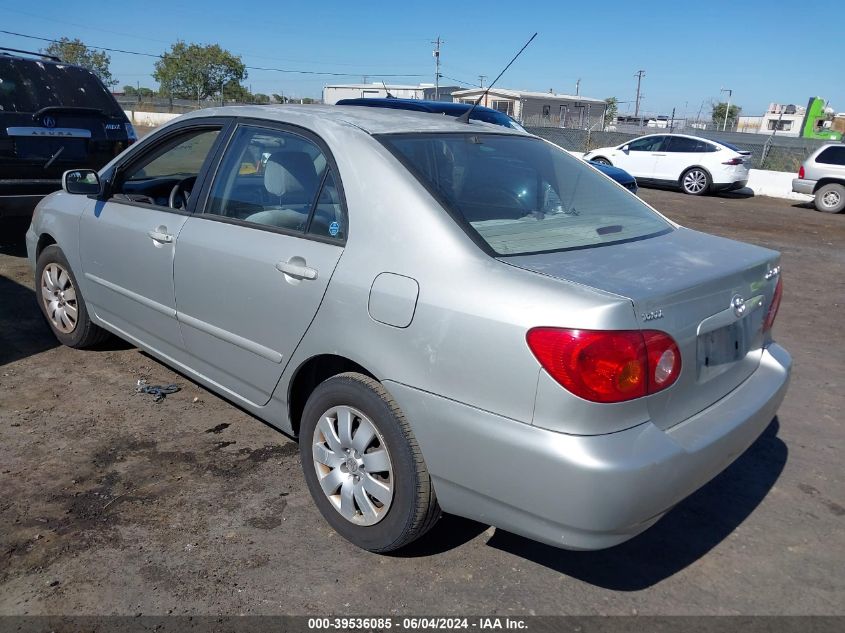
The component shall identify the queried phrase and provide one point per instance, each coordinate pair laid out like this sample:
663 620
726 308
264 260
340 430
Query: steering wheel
180 194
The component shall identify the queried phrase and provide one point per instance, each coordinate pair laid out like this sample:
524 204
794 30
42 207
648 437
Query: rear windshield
28 86
521 195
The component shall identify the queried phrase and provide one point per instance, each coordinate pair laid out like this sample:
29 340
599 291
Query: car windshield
521 195
28 86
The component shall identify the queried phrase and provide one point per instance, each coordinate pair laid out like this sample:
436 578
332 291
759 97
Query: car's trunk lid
690 285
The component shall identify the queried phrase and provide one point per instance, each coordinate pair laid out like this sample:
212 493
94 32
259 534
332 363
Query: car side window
650 144
166 175
272 178
832 156
682 144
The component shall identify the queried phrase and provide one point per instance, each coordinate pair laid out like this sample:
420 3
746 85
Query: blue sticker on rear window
334 229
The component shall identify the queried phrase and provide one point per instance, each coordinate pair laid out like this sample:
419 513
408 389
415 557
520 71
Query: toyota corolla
450 317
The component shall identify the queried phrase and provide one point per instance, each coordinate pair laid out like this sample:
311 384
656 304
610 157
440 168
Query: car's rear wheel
363 466
830 198
695 181
602 161
61 301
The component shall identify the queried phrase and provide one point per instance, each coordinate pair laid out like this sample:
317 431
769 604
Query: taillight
801 172
607 366
774 307
733 161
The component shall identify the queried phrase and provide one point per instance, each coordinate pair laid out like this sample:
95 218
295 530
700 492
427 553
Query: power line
264 68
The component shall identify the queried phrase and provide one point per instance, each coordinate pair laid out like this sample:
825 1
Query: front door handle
296 270
159 235
658 154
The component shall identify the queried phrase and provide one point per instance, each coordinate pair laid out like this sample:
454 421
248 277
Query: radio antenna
389 96
464 118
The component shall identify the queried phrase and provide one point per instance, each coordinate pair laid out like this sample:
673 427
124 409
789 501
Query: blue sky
763 51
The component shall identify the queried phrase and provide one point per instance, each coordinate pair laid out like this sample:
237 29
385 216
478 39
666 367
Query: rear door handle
658 154
297 271
160 236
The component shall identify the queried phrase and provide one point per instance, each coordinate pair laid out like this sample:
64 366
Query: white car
695 164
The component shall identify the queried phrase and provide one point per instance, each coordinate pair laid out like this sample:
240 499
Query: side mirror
81 182
626 149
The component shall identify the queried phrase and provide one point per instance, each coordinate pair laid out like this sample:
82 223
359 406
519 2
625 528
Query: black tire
414 508
84 333
695 181
602 160
830 198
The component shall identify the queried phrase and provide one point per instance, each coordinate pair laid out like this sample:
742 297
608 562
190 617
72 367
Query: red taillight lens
733 161
607 366
774 307
801 172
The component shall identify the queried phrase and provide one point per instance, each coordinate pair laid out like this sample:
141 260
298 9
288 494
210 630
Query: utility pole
578 87
481 79
639 75
728 108
436 54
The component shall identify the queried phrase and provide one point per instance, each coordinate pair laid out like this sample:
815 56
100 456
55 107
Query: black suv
53 117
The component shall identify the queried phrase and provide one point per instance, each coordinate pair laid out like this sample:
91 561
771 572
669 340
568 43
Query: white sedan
695 164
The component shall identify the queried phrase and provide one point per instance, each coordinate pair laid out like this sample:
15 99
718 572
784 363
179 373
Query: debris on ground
159 391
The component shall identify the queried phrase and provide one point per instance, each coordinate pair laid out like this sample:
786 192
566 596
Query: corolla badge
738 304
48 121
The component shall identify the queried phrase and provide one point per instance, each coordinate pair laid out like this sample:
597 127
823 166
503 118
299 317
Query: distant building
334 93
540 108
783 120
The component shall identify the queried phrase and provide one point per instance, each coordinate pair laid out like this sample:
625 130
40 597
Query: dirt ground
113 504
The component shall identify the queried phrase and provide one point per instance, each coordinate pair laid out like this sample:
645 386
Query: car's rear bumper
584 492
801 185
730 186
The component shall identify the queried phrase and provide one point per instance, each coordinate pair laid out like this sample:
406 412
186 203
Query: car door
639 156
254 263
128 238
676 155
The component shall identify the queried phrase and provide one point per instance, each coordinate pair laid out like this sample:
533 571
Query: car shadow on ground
23 331
684 535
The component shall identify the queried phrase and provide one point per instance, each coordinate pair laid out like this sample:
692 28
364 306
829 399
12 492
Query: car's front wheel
363 466
695 181
830 198
601 160
61 302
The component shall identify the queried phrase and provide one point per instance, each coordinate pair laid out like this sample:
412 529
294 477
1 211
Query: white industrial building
540 108
334 93
783 120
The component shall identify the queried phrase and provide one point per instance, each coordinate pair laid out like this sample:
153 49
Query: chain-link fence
778 153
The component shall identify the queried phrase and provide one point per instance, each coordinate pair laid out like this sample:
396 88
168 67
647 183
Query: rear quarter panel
466 341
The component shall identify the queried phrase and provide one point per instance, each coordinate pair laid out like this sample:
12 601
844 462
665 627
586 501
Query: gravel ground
112 503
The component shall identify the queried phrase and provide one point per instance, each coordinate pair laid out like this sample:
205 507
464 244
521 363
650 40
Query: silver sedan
449 316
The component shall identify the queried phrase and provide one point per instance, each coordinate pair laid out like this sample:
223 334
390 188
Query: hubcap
831 199
695 181
59 298
353 465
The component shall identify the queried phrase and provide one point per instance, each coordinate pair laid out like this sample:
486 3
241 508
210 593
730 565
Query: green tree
611 111
279 98
260 98
75 52
234 91
130 91
194 71
718 115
